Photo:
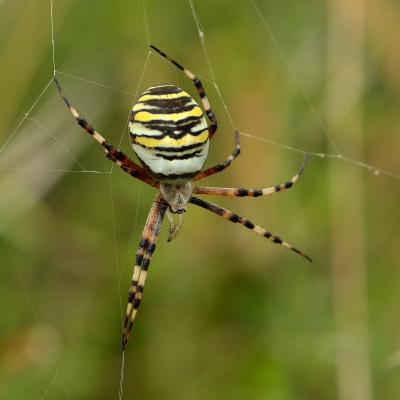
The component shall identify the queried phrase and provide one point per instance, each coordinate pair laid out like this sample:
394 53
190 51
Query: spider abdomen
169 134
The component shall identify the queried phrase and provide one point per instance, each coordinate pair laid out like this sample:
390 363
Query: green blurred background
225 314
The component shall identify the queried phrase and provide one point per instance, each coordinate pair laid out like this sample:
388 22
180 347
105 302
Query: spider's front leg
143 256
116 156
200 90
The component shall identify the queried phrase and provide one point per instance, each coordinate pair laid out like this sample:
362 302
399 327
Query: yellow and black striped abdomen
169 134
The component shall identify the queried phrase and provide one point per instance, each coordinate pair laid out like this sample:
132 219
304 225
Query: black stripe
241 192
199 87
181 121
283 186
169 129
163 89
248 224
131 295
181 157
174 103
168 133
139 258
151 248
84 124
146 263
143 242
139 289
275 239
136 303
234 218
177 149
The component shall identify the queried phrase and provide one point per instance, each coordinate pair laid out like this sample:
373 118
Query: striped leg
220 167
248 224
240 192
112 153
143 256
200 89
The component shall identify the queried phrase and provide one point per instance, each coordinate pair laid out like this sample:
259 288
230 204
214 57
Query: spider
170 136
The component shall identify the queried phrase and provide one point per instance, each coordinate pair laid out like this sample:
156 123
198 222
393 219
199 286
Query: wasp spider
170 136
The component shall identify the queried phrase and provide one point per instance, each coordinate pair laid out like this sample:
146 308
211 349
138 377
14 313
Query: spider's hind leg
143 256
230 216
241 192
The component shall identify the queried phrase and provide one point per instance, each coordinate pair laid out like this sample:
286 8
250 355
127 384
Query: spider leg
116 156
240 192
220 167
174 228
229 215
200 89
146 249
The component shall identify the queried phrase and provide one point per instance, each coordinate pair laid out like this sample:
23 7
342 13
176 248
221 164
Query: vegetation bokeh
225 314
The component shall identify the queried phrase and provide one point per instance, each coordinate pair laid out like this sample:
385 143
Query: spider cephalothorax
169 134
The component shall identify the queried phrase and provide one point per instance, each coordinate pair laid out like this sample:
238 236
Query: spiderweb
224 314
